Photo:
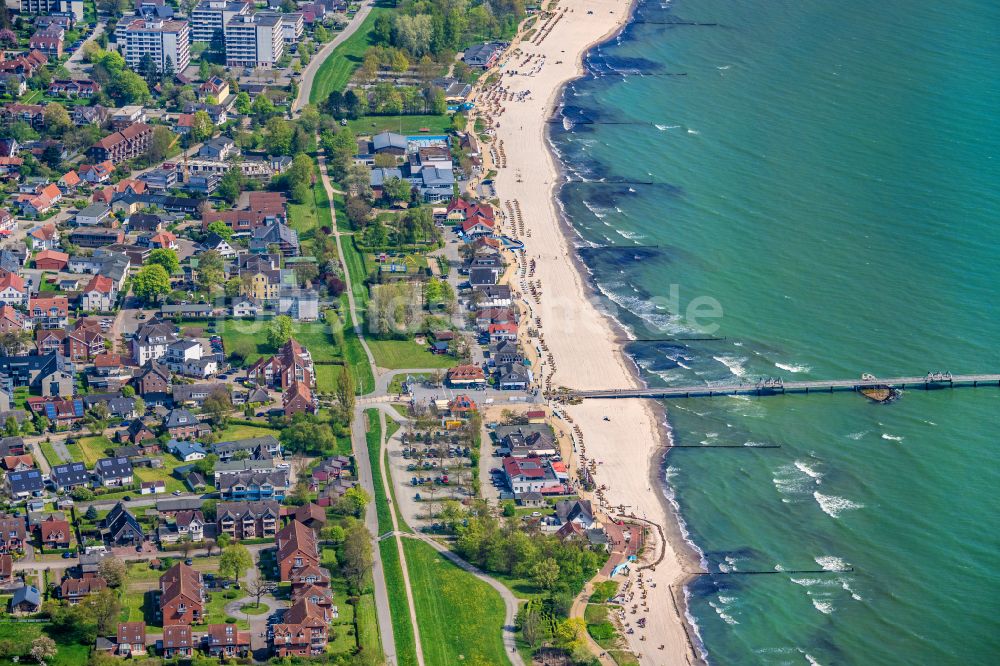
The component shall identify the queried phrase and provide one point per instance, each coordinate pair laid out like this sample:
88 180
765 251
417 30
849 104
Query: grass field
50 454
400 354
240 431
358 269
460 616
20 636
356 359
367 621
337 69
91 449
402 629
409 125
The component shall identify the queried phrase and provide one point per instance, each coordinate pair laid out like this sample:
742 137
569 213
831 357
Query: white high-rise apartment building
162 40
254 40
211 15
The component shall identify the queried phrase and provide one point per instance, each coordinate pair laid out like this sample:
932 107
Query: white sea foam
833 506
793 368
693 131
809 471
857 435
723 615
824 607
724 67
812 660
751 443
693 623
831 563
733 363
631 235
847 588
892 438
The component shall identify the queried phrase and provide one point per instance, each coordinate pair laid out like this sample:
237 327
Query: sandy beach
579 346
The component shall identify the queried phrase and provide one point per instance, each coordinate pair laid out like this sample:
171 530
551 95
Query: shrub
230 620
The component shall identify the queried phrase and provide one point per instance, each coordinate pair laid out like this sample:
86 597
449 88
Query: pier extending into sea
771 386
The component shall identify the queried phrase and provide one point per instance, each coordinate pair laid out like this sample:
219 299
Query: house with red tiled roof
185 122
13 320
55 532
18 463
124 186
99 295
130 142
182 595
293 363
25 63
297 400
41 201
44 237
69 180
48 41
177 641
13 290
297 549
226 640
7 222
49 311
97 173
466 375
10 166
164 240
304 630
74 590
131 638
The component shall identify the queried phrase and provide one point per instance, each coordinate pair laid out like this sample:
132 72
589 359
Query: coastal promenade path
305 87
766 388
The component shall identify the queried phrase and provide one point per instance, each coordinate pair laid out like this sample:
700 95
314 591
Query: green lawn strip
343 636
215 609
242 431
408 125
358 269
50 454
164 474
367 626
402 628
460 616
338 67
91 449
356 359
19 636
403 527
400 354
373 440
252 609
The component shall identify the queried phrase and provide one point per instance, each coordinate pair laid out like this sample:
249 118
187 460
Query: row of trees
438 27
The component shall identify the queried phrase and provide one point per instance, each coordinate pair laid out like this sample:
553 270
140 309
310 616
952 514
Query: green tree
279 331
114 571
321 34
151 282
165 257
127 87
219 228
201 127
233 287
235 561
211 270
242 103
357 555
231 186
278 137
57 119
11 429
345 392
263 107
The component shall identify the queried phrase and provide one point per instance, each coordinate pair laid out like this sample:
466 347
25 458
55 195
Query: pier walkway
780 387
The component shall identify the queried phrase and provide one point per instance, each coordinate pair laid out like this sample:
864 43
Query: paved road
309 73
75 62
360 445
399 544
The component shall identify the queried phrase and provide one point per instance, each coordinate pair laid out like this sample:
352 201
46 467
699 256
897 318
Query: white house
99 295
13 290
246 307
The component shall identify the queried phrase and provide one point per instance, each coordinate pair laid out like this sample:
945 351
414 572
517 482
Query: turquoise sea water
828 174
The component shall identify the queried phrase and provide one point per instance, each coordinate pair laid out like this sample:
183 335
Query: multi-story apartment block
292 26
130 142
168 43
213 15
248 520
254 40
